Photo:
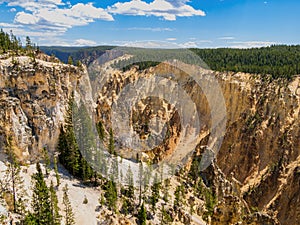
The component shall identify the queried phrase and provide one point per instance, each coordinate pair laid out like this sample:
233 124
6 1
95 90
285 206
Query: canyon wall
260 153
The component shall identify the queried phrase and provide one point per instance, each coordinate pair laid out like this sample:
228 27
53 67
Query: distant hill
279 61
84 54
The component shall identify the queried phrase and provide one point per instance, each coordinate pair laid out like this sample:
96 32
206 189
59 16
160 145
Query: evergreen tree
9 42
141 176
46 160
13 180
28 44
166 190
57 176
69 152
70 60
101 130
41 205
111 144
155 192
126 206
67 146
85 139
30 220
130 185
142 215
69 215
179 196
165 216
54 206
111 195
114 170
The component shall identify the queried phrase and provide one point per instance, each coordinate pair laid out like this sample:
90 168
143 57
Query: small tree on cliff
69 215
41 198
13 182
142 215
54 206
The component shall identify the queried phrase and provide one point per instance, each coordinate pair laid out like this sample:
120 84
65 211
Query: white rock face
33 100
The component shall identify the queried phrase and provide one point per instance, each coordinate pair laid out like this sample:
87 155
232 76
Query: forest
279 61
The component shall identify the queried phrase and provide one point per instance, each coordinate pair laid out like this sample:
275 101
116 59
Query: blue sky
154 23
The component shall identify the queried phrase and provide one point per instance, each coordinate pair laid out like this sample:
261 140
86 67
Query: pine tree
111 195
29 220
114 170
165 216
166 190
130 185
111 144
85 138
141 176
142 215
69 154
57 176
69 215
101 130
177 197
155 192
41 198
13 180
54 206
28 44
70 60
46 160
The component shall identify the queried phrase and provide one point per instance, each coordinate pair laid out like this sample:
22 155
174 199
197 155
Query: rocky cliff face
260 154
256 173
261 146
33 99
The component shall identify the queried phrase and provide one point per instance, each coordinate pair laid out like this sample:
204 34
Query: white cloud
8 25
84 42
25 18
189 44
78 15
227 38
171 39
54 15
167 9
251 44
148 44
204 41
44 19
170 44
20 31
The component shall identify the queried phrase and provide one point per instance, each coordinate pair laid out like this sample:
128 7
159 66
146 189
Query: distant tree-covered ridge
78 54
279 61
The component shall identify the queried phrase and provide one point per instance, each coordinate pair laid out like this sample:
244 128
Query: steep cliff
259 157
255 175
34 96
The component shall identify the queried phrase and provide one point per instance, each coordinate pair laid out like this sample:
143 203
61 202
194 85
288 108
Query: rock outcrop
34 93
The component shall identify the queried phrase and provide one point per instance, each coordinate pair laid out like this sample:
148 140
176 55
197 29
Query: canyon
256 172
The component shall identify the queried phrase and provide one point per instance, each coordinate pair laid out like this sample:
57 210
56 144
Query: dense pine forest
280 61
